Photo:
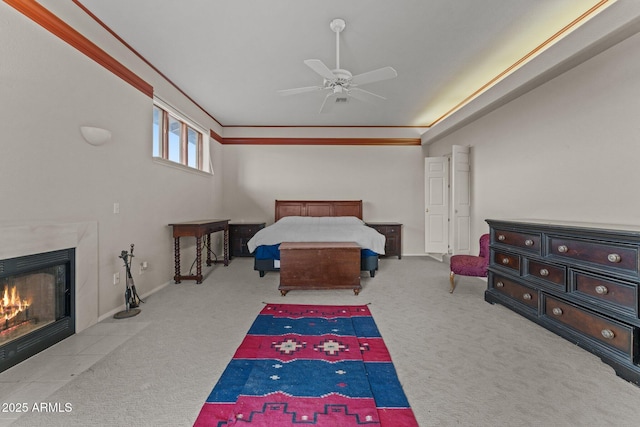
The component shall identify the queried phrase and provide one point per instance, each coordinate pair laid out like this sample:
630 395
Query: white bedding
319 229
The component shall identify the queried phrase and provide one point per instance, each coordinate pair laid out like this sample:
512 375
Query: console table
198 229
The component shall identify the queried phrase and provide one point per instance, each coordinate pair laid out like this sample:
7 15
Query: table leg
176 253
226 246
198 260
208 243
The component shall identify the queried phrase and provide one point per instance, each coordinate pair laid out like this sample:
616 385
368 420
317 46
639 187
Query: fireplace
37 304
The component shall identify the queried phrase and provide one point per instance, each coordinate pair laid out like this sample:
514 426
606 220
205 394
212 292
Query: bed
316 221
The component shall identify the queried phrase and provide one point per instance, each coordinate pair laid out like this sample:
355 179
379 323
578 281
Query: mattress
319 229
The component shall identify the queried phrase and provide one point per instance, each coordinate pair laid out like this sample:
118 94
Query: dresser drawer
388 229
618 294
507 260
552 275
250 230
245 230
606 255
527 241
610 333
516 291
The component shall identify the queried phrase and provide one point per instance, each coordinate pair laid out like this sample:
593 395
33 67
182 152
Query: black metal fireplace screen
37 304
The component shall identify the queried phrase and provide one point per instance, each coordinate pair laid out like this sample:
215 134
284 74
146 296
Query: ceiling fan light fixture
337 25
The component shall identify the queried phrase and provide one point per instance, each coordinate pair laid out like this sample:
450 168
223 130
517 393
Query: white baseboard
122 307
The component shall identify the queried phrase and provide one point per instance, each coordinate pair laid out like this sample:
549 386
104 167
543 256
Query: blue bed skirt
273 252
267 258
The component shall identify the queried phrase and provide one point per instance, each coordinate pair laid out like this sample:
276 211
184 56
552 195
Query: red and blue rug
304 365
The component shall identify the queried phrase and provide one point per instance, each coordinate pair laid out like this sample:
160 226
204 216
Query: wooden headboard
318 208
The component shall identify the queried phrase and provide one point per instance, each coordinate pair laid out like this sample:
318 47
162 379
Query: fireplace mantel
28 239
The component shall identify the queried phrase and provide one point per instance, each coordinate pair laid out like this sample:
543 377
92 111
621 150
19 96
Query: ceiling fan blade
327 104
319 67
298 90
365 95
374 76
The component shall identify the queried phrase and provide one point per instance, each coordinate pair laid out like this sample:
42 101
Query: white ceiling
232 56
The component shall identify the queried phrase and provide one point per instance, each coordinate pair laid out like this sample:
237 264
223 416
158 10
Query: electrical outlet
143 267
116 278
116 208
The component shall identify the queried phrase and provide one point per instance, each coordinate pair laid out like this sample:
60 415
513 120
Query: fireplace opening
37 304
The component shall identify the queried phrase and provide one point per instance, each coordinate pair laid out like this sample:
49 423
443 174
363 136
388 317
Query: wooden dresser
579 281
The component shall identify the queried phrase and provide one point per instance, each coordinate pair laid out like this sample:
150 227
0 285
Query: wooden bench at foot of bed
319 265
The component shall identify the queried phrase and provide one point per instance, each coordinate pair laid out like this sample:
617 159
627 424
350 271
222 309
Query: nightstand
393 233
240 234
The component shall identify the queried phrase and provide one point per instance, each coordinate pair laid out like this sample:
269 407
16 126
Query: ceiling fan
341 84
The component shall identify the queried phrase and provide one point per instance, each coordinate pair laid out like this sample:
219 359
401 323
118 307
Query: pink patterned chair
470 265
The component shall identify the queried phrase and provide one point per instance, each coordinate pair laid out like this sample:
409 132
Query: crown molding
56 26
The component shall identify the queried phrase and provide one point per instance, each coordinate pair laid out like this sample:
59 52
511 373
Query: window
178 140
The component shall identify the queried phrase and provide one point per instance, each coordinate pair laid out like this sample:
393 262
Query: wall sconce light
95 136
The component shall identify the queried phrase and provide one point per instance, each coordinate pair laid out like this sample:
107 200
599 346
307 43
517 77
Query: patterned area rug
303 365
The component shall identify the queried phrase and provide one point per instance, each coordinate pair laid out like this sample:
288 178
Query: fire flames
10 304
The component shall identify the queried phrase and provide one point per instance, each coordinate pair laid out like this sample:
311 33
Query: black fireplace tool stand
131 298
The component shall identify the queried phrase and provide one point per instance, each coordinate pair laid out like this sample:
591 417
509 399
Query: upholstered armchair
470 265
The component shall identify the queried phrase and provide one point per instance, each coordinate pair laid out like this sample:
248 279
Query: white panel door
461 200
436 217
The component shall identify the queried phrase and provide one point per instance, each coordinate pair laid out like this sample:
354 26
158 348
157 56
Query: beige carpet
462 361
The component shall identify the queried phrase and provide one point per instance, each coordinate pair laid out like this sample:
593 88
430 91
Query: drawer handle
527 296
499 285
608 334
501 237
557 311
614 258
563 249
544 272
602 290
505 261
528 242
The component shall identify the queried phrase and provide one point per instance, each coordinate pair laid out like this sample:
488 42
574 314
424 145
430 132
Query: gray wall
49 173
568 150
389 181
